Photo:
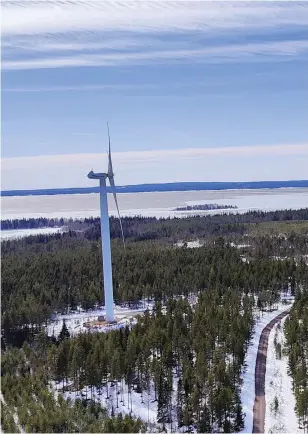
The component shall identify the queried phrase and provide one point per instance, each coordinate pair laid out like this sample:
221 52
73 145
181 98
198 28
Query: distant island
204 207
172 186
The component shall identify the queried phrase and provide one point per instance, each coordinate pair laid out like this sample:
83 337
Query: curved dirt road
259 405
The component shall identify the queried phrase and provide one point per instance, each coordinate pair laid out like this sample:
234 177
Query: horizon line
243 185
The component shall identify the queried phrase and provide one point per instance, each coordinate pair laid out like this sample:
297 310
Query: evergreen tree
64 333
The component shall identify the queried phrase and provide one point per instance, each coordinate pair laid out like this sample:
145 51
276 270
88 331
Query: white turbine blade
110 169
112 184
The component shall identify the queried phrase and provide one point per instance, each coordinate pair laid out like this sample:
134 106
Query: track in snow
259 405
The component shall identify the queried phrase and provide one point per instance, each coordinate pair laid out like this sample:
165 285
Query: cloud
76 33
54 17
80 88
218 54
246 163
73 43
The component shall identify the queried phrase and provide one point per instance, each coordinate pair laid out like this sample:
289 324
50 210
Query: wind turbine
105 231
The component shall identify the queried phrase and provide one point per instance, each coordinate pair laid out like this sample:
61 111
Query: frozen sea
152 204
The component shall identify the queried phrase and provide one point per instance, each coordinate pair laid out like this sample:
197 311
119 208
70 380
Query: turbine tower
105 231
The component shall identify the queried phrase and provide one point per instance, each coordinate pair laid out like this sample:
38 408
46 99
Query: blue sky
224 82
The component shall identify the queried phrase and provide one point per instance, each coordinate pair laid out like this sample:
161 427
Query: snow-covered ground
140 405
124 316
137 404
15 415
131 402
278 387
75 320
145 406
240 246
16 421
20 233
190 244
198 243
248 376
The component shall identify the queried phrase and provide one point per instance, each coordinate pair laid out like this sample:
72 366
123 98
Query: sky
192 91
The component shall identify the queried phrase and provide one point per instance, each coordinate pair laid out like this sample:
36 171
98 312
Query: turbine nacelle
92 175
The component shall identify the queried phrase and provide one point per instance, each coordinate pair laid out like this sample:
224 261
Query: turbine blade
112 184
110 169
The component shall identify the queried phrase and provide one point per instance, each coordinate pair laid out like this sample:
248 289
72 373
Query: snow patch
240 246
75 320
117 398
279 418
11 234
16 421
190 244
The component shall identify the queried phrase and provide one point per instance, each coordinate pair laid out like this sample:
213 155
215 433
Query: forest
163 227
296 331
29 404
41 278
186 358
205 207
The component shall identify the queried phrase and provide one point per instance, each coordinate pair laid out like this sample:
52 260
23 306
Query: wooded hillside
187 358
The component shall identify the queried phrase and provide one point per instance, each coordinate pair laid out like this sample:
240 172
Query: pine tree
239 420
204 425
64 333
179 407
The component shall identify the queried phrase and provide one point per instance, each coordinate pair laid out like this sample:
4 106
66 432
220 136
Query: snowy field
154 204
248 387
20 233
278 386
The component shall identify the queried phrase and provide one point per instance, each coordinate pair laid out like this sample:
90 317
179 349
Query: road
259 405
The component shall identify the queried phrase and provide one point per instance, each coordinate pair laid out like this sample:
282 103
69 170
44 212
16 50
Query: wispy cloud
85 88
52 16
218 54
76 33
200 164
73 43
172 85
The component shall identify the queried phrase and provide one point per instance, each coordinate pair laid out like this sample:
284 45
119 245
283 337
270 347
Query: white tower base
106 252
